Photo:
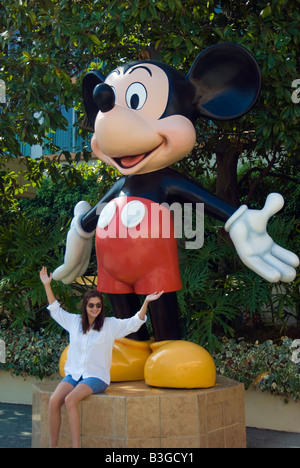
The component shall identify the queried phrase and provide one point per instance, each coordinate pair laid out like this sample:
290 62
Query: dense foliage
266 366
32 353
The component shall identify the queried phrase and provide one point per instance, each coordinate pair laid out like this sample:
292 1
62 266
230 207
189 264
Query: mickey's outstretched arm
180 188
247 229
80 238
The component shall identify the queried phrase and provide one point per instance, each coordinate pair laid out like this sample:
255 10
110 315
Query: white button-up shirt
90 354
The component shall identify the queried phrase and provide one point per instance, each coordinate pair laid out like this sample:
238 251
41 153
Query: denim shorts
97 385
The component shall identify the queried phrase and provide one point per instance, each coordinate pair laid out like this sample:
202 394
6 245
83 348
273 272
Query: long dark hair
98 323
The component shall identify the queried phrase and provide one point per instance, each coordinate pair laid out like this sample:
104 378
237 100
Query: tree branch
263 174
275 175
248 173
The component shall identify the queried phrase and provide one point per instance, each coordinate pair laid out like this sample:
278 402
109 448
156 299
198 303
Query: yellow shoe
129 357
180 364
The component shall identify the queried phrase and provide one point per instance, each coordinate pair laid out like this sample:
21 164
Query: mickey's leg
125 306
164 315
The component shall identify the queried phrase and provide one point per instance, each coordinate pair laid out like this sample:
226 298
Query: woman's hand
149 298
154 296
45 279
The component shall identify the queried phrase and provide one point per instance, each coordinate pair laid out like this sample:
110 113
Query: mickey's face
131 131
144 112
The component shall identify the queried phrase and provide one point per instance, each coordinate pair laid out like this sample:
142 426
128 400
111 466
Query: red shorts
136 248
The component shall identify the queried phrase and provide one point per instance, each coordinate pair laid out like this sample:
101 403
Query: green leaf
266 12
95 39
171 4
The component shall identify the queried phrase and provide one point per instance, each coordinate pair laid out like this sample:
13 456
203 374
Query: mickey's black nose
104 97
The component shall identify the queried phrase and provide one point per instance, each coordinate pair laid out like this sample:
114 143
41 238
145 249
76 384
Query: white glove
257 250
78 248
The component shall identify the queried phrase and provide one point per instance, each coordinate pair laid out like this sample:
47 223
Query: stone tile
153 442
90 441
38 411
103 417
216 439
40 440
234 411
142 417
202 414
65 420
119 405
64 440
179 416
215 419
235 436
137 388
203 441
180 442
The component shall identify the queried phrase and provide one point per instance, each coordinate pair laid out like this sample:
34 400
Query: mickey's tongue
129 161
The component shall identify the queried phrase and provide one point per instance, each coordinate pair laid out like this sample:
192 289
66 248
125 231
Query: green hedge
32 353
267 366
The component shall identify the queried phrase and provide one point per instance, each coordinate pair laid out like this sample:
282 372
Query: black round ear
89 83
227 81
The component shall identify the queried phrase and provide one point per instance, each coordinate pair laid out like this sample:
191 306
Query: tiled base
134 415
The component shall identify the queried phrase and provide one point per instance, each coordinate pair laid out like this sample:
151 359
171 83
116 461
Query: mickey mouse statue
143 114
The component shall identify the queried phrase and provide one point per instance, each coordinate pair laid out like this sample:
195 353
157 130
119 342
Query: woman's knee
73 399
56 401
57 398
70 401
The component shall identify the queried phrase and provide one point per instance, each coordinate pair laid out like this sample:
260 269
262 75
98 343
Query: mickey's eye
136 96
114 91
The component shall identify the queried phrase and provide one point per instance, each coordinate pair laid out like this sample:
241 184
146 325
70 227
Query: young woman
88 365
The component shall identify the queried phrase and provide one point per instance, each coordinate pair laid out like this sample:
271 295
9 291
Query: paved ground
15 431
258 438
15 426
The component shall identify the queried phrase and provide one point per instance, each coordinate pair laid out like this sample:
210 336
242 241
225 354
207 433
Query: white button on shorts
107 214
133 214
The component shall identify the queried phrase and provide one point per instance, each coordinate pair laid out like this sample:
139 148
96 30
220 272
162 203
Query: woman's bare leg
57 400
72 401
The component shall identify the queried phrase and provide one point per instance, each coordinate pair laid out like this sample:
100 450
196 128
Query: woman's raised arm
46 280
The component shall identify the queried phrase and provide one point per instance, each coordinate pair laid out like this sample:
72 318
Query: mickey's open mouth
129 161
126 162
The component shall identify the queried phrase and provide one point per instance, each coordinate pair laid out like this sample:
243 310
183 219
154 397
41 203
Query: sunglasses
98 306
